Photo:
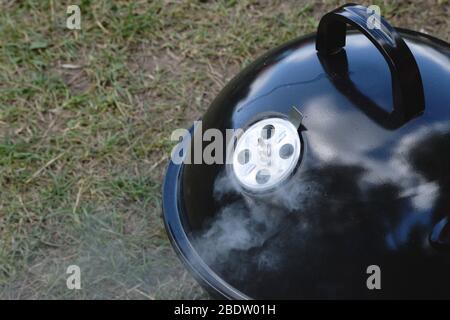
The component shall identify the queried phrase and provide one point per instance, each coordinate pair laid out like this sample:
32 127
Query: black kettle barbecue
341 170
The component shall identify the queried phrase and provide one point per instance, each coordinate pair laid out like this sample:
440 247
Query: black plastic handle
407 88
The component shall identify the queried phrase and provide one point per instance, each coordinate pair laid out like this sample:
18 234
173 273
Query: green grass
85 121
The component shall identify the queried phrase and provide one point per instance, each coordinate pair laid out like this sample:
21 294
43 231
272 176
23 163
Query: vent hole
244 156
286 151
262 176
268 131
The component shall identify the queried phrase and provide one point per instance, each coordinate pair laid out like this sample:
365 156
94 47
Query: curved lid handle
407 88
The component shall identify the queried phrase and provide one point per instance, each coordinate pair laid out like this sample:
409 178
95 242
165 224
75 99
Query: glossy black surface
368 191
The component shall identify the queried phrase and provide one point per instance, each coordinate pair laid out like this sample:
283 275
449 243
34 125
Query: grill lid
366 182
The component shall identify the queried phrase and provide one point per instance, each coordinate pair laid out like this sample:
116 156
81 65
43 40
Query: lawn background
85 123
